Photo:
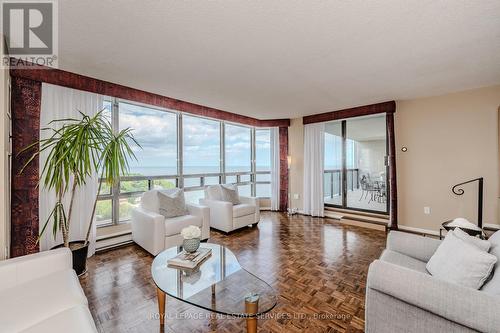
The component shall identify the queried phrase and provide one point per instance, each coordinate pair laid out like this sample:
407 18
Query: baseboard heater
112 241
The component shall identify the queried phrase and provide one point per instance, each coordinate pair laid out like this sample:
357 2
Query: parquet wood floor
317 266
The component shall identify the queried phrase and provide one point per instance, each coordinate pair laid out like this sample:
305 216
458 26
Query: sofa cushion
402 260
172 204
459 262
243 209
75 320
32 302
174 225
493 285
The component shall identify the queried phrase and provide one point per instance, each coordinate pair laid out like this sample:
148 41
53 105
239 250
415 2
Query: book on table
190 260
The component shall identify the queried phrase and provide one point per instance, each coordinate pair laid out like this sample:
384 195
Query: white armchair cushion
174 225
243 209
172 204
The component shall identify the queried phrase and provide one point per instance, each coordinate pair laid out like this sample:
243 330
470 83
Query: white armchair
227 217
154 232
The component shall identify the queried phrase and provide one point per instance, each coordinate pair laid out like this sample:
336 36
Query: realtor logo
30 30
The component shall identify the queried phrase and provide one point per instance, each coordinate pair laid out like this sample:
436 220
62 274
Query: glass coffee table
219 284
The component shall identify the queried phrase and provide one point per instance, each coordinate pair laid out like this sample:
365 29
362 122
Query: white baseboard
419 230
491 226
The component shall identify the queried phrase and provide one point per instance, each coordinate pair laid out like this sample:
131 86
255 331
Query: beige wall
296 151
450 139
4 158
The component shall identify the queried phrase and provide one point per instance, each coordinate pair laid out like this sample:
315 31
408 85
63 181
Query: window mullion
180 147
222 130
253 186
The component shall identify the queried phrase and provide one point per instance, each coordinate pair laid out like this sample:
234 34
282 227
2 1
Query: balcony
364 192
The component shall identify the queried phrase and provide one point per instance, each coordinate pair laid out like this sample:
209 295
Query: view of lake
160 171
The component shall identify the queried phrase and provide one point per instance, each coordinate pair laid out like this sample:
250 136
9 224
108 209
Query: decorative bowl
191 245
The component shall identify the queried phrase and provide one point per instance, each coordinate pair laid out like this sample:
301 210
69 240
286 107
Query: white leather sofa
227 217
41 293
154 233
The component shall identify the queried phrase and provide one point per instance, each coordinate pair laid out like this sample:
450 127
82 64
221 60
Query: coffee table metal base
161 305
251 306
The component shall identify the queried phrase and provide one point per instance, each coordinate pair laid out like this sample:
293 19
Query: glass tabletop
218 284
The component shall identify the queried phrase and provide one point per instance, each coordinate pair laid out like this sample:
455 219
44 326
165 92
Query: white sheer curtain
275 169
314 150
58 103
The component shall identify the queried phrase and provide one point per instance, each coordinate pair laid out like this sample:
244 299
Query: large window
238 148
200 155
156 132
201 145
179 150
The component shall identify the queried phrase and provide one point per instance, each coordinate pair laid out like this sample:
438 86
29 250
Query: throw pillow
213 192
172 203
481 244
493 285
459 262
230 194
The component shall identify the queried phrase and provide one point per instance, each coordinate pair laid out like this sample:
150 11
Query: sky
156 132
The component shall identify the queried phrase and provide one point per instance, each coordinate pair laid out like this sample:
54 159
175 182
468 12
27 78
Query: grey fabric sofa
401 296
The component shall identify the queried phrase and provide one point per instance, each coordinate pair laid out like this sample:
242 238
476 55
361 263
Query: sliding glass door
355 164
333 185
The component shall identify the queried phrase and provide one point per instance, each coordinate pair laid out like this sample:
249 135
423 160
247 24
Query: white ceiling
284 58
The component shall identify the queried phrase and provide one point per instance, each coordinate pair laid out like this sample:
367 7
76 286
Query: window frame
115 195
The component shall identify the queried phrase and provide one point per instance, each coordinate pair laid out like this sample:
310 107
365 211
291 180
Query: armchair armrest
22 269
252 201
148 230
415 246
468 307
204 213
221 214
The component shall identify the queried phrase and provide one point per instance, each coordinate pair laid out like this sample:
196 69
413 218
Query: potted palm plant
78 150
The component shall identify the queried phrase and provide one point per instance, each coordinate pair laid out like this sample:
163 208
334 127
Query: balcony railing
333 181
126 194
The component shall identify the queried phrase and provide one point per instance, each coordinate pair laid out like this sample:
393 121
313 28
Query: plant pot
79 250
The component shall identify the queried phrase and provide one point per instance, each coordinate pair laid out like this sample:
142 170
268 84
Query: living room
240 166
